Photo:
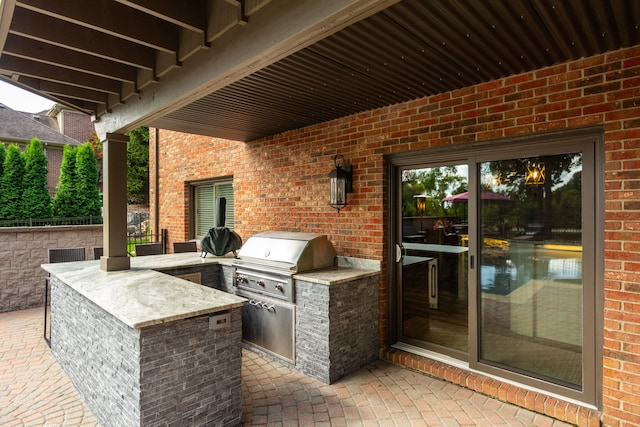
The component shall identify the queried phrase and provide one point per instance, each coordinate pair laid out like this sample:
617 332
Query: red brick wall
281 183
77 125
54 162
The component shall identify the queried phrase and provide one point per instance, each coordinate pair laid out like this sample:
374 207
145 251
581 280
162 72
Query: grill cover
295 252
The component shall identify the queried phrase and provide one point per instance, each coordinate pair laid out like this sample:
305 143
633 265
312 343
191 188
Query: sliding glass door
434 295
530 266
498 259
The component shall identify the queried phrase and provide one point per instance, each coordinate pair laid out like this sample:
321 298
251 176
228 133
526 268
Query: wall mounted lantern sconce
535 174
340 182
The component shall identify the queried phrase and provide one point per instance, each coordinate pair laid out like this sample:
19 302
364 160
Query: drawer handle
268 307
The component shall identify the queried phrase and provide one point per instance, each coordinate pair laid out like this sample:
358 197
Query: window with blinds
205 206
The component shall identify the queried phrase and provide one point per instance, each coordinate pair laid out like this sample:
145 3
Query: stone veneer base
176 373
336 326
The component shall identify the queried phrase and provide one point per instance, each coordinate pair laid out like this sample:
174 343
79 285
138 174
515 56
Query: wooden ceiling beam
12 65
80 39
56 89
192 18
110 18
58 56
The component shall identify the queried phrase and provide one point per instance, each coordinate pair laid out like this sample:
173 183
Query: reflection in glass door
434 297
499 259
530 266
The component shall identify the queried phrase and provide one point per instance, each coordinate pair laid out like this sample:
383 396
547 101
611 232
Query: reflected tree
535 198
435 183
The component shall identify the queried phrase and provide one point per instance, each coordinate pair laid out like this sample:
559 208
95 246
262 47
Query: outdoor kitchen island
145 348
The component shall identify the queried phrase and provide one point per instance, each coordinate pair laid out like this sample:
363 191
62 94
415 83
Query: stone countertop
334 275
347 270
143 296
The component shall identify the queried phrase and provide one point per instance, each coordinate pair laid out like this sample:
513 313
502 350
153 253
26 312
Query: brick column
115 203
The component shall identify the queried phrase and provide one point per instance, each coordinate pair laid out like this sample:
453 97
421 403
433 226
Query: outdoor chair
98 252
149 249
180 247
55 256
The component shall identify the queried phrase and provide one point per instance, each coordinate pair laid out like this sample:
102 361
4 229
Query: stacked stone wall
180 373
24 249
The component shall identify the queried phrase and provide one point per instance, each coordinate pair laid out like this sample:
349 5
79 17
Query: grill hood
290 251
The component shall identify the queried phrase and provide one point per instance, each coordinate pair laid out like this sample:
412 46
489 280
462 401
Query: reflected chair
149 249
180 247
98 252
55 256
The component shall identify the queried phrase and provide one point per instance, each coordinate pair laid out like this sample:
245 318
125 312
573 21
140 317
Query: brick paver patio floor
34 391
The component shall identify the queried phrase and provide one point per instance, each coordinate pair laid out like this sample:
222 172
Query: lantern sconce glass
535 174
340 183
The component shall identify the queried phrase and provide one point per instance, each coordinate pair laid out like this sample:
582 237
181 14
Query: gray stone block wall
177 373
24 249
227 280
336 327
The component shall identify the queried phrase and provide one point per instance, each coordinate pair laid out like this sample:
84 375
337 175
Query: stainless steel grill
287 252
264 270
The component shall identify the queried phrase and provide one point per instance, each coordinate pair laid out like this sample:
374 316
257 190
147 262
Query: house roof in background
23 127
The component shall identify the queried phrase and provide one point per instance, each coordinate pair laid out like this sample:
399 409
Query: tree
65 200
11 184
96 146
36 201
138 165
88 202
435 183
3 154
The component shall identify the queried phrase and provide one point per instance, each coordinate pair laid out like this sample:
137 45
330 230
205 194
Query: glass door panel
530 266
434 297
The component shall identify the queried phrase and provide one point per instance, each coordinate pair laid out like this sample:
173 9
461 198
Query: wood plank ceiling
96 55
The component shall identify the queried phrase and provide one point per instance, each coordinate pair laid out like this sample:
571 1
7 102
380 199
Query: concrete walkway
34 391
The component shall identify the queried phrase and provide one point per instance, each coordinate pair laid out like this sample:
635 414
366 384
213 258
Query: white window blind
205 203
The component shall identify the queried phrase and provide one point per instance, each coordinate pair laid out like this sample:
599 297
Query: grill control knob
261 283
280 288
240 279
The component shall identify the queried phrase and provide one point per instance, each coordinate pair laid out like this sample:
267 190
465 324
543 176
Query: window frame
194 187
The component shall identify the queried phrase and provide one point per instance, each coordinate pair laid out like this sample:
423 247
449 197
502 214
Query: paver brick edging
528 399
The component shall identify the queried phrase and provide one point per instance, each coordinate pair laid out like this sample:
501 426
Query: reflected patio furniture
55 256
149 249
181 247
439 251
445 238
98 252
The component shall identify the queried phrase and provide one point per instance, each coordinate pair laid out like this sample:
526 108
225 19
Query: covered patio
272 90
34 391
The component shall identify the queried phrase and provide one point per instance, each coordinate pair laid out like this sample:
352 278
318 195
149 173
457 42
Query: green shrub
36 201
11 184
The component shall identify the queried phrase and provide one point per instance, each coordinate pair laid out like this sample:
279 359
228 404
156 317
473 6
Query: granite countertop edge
143 295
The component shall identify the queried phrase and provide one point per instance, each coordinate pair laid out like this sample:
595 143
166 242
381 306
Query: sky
21 100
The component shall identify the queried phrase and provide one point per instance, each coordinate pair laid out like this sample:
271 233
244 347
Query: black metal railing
137 237
32 222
